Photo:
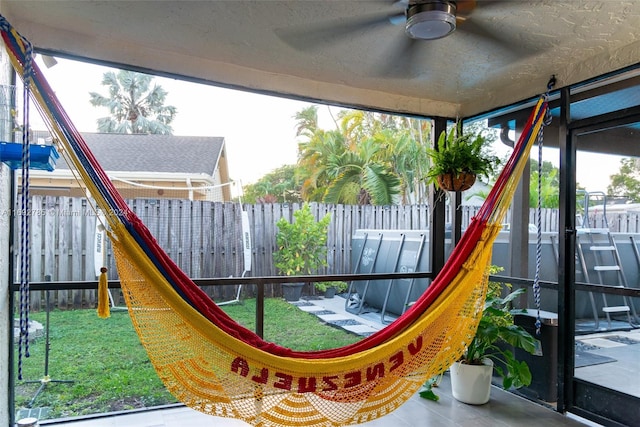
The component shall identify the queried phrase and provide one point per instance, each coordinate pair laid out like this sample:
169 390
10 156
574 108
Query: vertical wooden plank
404 217
366 220
185 235
345 235
425 217
231 238
367 217
422 220
214 250
370 214
227 241
89 220
174 231
236 212
164 208
195 250
218 237
36 238
412 217
395 217
206 239
384 217
352 218
145 213
51 242
140 209
335 241
60 241
256 217
269 230
324 209
77 247
272 213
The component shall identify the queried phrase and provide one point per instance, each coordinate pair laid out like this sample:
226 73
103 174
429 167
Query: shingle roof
154 153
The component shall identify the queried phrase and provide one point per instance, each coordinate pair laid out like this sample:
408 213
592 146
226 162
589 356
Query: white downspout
190 188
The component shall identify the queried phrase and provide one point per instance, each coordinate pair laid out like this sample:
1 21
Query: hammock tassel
103 295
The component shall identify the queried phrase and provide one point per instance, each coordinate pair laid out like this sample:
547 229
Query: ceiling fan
431 19
425 21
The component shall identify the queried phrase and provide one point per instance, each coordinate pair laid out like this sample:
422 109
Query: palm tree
307 121
360 178
352 163
406 152
314 162
134 106
314 153
401 145
278 186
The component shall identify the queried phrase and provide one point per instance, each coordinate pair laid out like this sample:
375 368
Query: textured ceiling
314 49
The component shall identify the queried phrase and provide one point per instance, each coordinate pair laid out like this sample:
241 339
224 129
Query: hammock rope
25 214
214 365
538 262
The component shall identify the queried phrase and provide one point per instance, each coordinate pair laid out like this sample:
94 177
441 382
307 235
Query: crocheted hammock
216 366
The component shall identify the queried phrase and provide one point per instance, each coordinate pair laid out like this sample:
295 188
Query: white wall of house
6 322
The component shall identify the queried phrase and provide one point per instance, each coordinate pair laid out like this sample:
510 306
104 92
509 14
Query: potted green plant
458 159
331 288
301 248
490 350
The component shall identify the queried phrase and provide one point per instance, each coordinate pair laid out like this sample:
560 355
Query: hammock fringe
103 310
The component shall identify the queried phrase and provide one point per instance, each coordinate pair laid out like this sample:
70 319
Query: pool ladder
599 245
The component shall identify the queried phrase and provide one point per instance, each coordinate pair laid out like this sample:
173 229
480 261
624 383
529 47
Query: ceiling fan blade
401 62
502 39
325 33
464 8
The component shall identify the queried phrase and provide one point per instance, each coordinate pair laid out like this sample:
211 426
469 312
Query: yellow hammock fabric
217 373
209 371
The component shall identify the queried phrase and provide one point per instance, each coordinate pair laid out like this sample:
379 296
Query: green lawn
111 370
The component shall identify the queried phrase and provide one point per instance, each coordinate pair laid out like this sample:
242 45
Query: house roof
155 153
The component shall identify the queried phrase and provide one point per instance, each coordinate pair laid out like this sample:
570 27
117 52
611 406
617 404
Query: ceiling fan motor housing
430 20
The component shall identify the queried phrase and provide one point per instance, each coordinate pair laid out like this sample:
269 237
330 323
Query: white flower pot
471 383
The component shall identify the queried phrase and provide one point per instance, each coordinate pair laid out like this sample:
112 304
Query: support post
566 257
260 311
519 234
437 201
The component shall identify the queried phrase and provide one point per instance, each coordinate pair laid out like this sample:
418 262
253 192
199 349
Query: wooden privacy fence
203 238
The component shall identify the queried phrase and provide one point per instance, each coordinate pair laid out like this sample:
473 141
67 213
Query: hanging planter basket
452 182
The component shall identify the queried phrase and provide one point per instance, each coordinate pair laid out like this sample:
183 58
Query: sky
259 130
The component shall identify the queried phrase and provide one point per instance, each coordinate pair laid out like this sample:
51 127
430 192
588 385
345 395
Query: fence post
260 311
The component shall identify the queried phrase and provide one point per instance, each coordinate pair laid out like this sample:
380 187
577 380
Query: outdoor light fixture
49 61
431 20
